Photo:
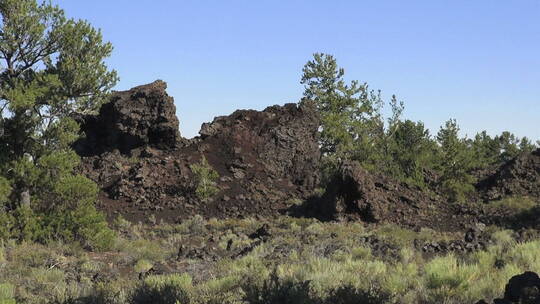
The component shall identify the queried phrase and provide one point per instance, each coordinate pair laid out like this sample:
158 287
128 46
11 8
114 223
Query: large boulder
521 289
142 116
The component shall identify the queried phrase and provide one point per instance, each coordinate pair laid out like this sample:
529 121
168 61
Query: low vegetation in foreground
283 260
56 245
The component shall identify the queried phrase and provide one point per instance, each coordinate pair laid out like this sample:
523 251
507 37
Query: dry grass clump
302 261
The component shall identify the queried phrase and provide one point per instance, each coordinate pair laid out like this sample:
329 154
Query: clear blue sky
476 61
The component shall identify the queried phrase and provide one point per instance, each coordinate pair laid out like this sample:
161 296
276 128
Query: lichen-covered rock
144 115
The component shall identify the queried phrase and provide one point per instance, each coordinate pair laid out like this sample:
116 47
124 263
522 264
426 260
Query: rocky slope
519 177
265 159
267 163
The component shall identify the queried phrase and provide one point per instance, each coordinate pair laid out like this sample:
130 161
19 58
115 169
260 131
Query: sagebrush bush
115 292
7 293
165 289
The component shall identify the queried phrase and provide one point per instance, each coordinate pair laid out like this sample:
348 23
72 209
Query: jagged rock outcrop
144 115
357 194
283 139
265 159
518 177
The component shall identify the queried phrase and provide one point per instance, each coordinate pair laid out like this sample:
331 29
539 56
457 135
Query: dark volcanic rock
144 115
355 193
519 177
522 289
283 139
265 159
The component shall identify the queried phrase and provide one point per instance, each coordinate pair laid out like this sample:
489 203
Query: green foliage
27 226
166 289
411 151
143 266
352 128
7 294
319 269
115 292
349 112
5 190
7 222
489 150
51 68
455 163
205 179
485 149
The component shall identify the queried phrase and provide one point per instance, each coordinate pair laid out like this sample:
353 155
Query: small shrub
277 291
5 190
446 279
143 250
352 295
32 255
220 291
7 222
91 267
7 293
205 178
121 224
114 292
514 203
194 225
165 289
26 225
143 266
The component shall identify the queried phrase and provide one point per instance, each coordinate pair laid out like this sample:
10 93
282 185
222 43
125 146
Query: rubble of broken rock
267 162
265 159
356 194
518 177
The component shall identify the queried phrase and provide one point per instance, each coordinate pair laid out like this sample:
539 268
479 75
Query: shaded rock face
355 193
265 159
283 139
144 115
521 289
519 177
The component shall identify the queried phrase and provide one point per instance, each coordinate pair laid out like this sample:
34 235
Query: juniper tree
51 67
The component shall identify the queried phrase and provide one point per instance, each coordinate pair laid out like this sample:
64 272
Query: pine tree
50 68
412 151
455 162
350 113
205 180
